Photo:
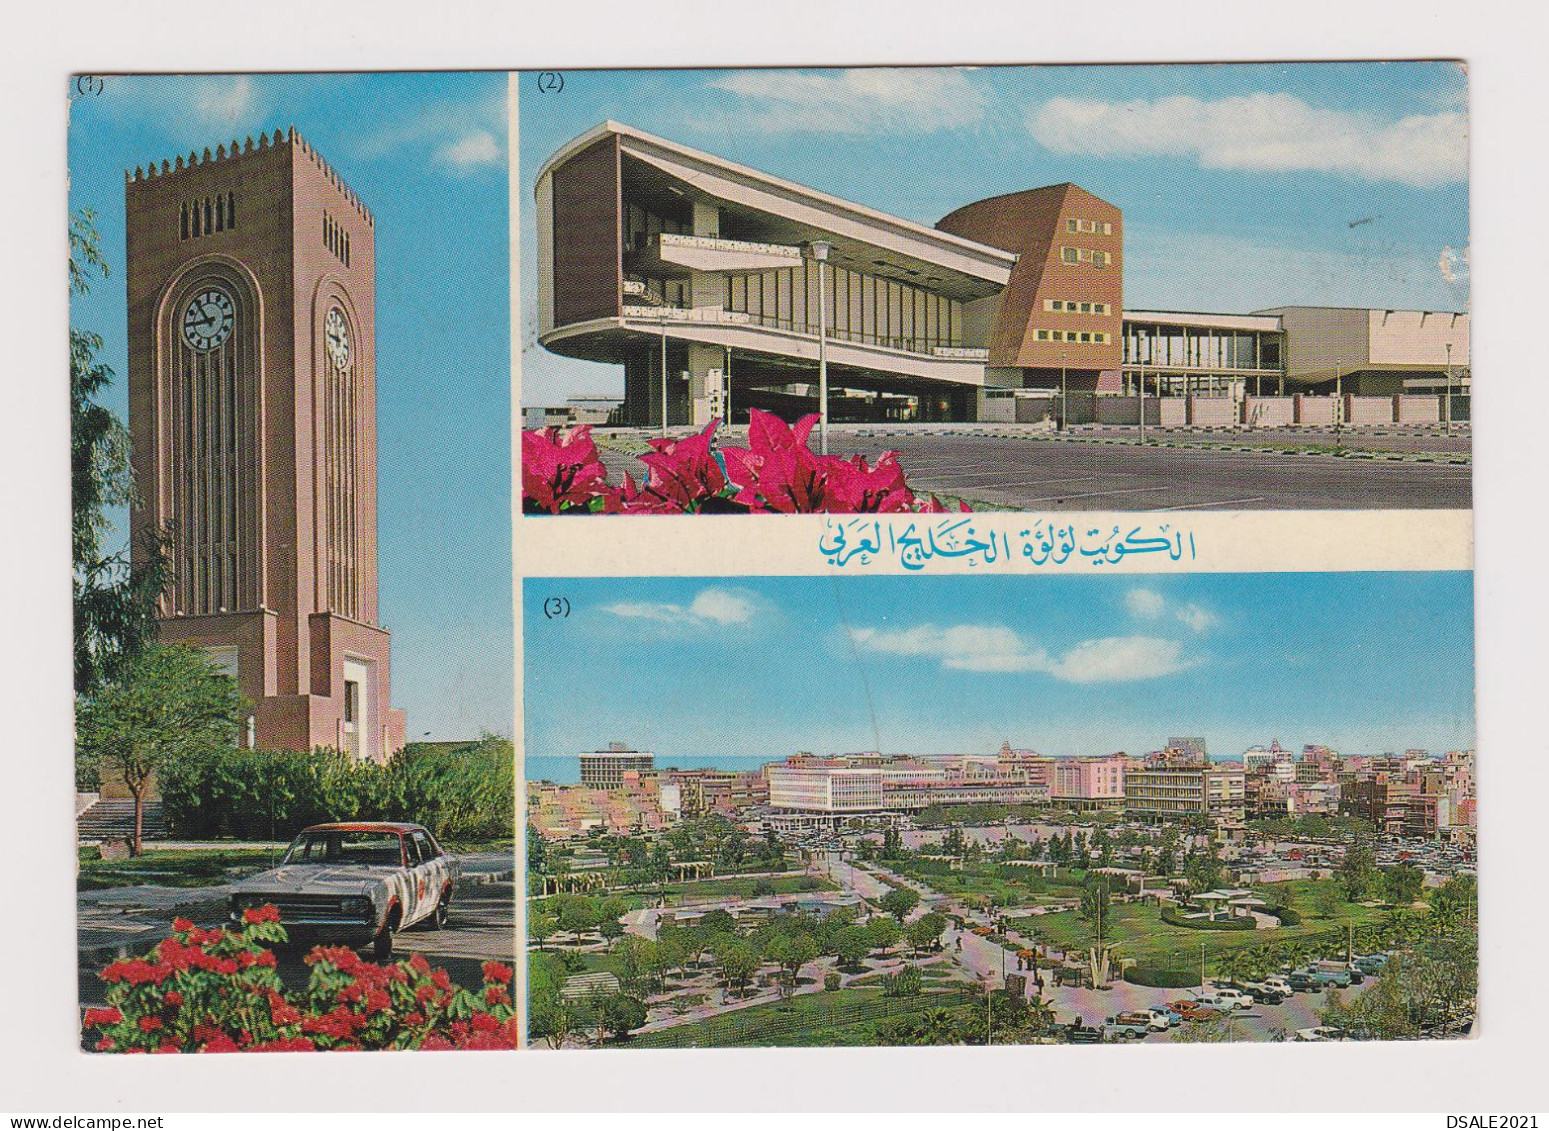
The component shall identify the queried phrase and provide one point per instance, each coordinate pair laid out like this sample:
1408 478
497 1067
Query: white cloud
1117 659
1146 603
477 148
859 100
225 101
722 606
462 134
996 648
1265 132
196 111
1197 618
712 606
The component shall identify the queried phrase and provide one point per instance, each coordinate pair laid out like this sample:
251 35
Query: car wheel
443 911
382 945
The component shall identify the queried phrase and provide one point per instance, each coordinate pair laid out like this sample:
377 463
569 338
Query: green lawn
741 887
1022 888
1139 932
178 868
837 1017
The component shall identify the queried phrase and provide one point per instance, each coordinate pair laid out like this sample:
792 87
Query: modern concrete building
702 278
606 769
252 411
1090 783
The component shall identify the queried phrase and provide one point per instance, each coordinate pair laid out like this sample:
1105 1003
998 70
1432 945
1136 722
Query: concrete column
702 360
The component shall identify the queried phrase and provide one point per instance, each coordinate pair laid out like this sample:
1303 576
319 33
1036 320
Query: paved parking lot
482 927
1107 470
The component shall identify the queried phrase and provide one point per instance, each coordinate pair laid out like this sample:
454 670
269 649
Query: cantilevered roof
1265 322
807 207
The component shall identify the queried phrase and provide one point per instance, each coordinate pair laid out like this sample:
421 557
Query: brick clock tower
252 411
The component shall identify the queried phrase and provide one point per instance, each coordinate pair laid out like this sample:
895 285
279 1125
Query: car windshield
337 846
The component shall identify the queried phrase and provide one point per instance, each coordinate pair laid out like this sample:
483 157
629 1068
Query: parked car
1276 983
1302 982
1116 1030
1233 999
1264 994
1330 974
1321 1033
1191 1010
356 883
1143 1017
1079 1033
1167 1017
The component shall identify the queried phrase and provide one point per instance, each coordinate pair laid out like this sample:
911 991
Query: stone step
111 819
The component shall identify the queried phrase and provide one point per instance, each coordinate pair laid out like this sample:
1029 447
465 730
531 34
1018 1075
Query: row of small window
1085 255
1092 337
336 239
1092 226
211 214
1071 306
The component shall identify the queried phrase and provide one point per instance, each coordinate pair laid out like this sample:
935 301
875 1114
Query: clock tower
252 414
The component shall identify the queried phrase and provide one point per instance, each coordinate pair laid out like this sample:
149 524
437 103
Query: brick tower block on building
252 411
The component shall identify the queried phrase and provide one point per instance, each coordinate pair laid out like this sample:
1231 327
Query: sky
1243 186
427 154
1066 665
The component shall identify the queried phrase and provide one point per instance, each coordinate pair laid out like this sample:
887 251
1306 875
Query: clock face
336 336
207 319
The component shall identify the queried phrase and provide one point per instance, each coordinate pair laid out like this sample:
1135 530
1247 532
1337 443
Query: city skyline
1065 666
427 155
1243 186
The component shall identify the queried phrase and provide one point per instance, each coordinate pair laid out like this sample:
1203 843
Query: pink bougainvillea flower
854 488
685 472
777 471
561 472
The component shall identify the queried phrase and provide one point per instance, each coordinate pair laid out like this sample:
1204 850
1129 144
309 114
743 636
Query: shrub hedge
461 793
1244 923
1164 977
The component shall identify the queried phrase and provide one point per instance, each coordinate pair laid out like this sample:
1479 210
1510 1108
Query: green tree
925 931
1357 870
884 933
1403 883
576 913
540 926
792 952
114 607
899 902
852 945
621 1013
167 702
738 965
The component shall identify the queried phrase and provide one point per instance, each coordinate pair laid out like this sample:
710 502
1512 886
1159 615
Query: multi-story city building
251 279
605 769
1170 789
1089 783
716 287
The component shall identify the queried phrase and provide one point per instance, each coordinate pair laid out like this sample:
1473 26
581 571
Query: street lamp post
664 374
1140 357
819 249
1064 393
1449 388
1339 397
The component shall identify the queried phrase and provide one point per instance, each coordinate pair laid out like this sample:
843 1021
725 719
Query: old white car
356 883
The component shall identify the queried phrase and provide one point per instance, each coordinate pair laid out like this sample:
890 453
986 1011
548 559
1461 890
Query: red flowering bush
218 991
776 473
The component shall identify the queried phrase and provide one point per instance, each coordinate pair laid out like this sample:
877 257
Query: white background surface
41 1068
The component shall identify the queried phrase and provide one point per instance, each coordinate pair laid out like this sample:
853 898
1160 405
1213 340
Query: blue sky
427 153
1364 662
1238 183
